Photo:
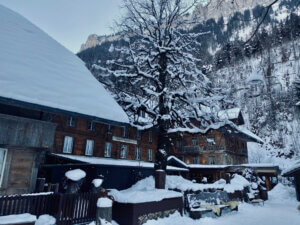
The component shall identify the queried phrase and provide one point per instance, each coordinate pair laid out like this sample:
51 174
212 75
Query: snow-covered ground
144 190
280 209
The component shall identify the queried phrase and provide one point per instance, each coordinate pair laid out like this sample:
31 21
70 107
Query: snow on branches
158 66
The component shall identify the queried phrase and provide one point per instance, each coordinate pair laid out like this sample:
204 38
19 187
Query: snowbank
45 220
238 183
75 175
282 193
143 191
17 218
104 203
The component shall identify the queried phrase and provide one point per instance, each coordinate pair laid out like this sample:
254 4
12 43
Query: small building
294 171
266 171
50 102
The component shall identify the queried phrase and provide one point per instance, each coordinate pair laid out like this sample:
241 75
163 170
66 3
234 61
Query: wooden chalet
209 155
224 146
57 107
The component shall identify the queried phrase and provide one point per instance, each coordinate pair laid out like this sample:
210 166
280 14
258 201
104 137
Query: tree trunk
163 142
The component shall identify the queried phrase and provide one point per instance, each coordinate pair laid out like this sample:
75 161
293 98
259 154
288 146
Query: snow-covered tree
159 71
297 90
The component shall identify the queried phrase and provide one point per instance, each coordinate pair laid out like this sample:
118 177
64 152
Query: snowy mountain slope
225 8
268 103
37 69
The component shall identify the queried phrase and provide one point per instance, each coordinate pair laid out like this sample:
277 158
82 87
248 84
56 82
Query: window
71 121
68 144
138 153
194 141
2 163
150 135
91 125
212 160
149 154
179 143
107 150
228 160
124 132
138 134
195 160
123 151
89 147
109 129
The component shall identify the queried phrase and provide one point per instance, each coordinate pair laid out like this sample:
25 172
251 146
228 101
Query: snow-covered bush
256 184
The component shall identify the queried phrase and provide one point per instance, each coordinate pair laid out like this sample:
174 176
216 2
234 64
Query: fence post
104 210
59 211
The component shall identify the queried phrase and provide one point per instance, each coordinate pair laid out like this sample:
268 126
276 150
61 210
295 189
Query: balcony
191 149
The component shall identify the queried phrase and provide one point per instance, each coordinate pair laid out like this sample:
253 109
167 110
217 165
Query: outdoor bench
209 204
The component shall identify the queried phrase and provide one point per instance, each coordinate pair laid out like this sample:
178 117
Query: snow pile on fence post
97 182
75 175
104 203
104 210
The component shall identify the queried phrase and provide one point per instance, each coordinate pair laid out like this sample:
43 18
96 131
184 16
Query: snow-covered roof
172 157
204 166
229 114
255 77
298 103
259 165
115 162
36 69
249 134
294 168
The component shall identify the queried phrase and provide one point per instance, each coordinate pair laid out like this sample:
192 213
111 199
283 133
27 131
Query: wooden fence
66 208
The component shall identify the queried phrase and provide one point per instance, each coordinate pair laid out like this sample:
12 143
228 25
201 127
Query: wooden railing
66 208
191 149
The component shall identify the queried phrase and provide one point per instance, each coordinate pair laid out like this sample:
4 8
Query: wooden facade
81 130
23 143
103 134
215 147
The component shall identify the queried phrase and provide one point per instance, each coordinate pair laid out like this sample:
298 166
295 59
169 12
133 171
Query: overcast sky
69 21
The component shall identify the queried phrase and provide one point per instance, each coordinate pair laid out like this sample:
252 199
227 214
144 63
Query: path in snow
281 209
